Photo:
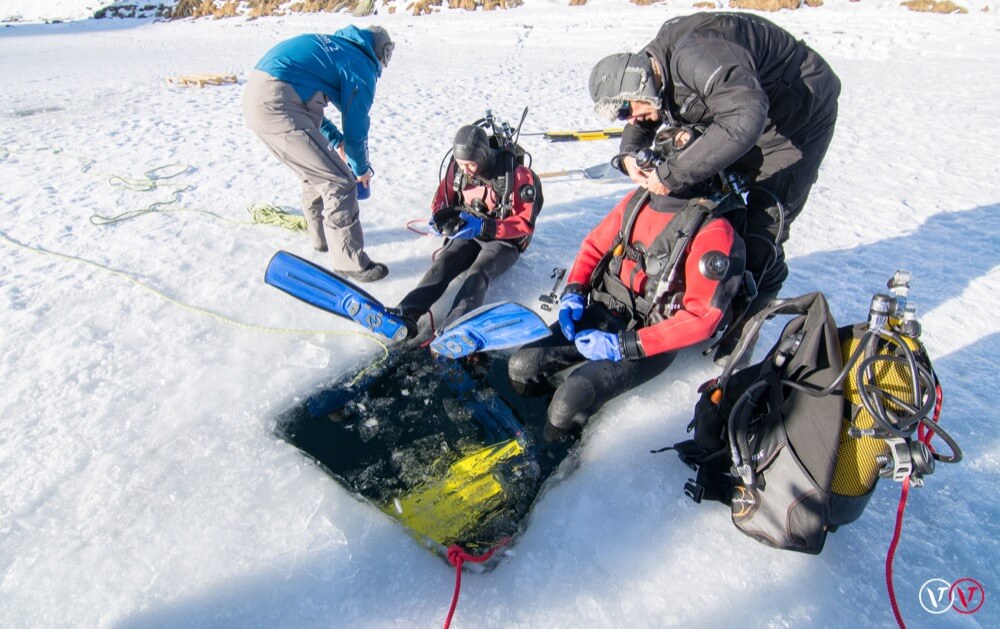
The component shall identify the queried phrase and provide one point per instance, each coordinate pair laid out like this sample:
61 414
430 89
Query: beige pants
290 129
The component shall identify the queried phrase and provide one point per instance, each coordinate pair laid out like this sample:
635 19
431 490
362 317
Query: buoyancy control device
663 259
503 139
796 443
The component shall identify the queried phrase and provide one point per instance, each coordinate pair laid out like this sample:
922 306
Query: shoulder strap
610 262
674 241
629 216
457 182
794 306
621 241
505 204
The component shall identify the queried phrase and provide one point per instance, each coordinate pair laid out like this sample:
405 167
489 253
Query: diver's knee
525 366
571 404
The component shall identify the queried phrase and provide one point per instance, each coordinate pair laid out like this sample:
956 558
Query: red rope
430 315
419 221
424 231
924 434
892 553
456 557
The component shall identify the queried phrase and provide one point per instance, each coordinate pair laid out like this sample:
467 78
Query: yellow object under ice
444 509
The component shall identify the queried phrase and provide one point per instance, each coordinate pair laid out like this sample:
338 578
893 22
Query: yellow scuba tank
858 460
889 389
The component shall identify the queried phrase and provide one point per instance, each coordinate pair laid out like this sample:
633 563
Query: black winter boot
373 273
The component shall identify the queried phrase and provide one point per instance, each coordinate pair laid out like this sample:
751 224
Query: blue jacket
344 67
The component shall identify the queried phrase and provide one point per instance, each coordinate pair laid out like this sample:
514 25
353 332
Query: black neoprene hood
472 144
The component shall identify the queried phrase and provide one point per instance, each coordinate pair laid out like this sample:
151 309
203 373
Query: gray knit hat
382 44
619 78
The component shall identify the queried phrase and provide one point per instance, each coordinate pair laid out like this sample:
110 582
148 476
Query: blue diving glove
570 309
471 227
597 345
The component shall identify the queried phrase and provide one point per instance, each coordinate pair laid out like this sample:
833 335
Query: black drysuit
766 104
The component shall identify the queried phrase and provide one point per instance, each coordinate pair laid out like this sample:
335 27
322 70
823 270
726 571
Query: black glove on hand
447 220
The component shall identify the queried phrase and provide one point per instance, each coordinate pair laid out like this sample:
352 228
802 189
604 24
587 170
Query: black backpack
504 139
795 443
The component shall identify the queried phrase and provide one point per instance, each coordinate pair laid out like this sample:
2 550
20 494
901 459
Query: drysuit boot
555 434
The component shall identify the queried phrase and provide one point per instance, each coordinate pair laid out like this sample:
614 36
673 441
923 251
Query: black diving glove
446 220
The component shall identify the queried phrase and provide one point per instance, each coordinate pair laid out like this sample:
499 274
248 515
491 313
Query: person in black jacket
767 107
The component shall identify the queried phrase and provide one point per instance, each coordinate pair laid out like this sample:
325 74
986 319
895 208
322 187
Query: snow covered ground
140 483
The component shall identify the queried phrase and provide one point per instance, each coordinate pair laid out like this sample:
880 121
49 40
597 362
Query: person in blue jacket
283 104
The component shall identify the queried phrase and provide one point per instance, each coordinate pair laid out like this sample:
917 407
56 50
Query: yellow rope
151 180
260 214
209 313
264 214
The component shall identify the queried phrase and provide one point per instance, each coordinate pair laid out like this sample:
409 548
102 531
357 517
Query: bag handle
791 306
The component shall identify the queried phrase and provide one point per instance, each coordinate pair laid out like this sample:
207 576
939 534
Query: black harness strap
615 295
675 243
663 276
458 184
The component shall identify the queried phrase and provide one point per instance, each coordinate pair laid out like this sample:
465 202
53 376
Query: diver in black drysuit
767 104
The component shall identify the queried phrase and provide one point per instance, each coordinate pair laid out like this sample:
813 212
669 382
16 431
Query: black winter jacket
748 82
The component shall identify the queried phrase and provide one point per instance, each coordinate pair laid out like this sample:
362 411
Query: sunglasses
624 111
387 52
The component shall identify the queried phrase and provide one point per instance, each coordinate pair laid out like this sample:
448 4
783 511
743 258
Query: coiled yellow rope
265 214
261 214
153 179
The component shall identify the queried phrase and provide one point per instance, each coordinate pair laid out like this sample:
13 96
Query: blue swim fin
326 290
490 327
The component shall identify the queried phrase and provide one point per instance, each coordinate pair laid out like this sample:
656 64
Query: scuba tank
891 396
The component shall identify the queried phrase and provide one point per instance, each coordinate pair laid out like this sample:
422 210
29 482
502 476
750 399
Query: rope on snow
206 312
